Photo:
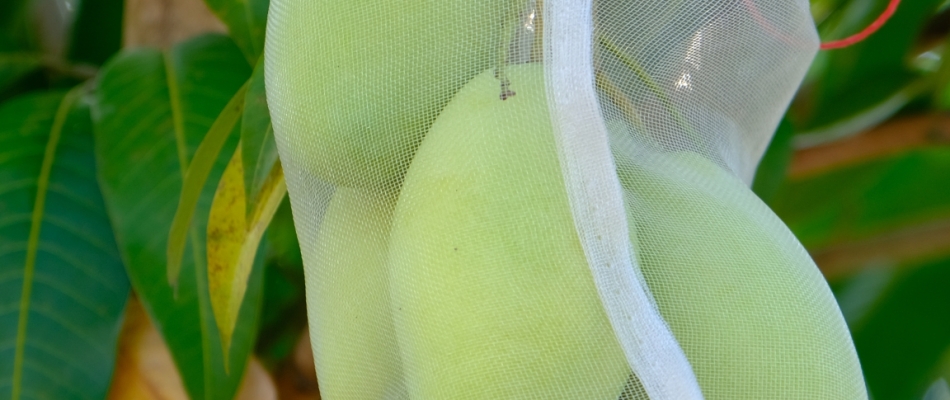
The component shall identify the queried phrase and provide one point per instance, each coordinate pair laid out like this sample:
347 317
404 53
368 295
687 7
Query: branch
895 137
915 244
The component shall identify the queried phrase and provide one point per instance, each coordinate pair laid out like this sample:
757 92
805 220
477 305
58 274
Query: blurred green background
859 169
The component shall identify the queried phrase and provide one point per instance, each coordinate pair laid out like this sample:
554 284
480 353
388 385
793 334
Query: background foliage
116 131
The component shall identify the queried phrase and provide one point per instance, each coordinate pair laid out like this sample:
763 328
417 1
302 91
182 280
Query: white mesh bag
549 199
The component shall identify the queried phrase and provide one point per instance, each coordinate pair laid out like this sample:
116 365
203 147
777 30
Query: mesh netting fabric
549 199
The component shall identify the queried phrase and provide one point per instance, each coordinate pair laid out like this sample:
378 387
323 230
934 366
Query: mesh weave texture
549 199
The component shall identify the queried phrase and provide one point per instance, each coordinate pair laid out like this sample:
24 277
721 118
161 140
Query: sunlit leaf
62 285
152 112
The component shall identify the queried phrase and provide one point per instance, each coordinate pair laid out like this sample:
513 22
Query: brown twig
918 243
162 23
891 138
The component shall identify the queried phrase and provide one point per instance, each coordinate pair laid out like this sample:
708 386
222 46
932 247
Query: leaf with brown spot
233 240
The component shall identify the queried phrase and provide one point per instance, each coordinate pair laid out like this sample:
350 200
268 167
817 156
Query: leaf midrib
49 155
174 96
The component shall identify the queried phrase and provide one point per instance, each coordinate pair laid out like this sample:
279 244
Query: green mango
348 304
492 295
747 304
353 86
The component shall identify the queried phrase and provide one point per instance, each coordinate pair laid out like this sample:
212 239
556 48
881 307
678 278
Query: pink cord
881 19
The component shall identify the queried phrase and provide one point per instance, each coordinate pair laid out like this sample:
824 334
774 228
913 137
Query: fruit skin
747 304
348 303
492 294
353 86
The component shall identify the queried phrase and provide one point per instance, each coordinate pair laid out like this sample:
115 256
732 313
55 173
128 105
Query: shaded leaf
941 98
15 31
62 284
152 111
774 165
868 114
283 290
258 147
96 32
14 66
196 176
865 75
246 20
903 338
284 250
233 241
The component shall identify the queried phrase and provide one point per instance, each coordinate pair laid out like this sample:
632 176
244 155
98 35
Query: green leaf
902 340
864 115
258 147
62 284
941 98
246 20
196 176
284 300
939 390
868 199
152 112
15 31
14 66
96 31
865 75
774 165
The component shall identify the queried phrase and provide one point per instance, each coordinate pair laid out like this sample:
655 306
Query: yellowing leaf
195 177
233 240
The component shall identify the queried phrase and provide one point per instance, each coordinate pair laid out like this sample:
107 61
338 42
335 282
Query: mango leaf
939 390
284 299
196 175
14 66
233 241
246 20
62 284
892 97
774 165
869 73
96 32
15 31
258 148
867 199
152 110
941 98
902 340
